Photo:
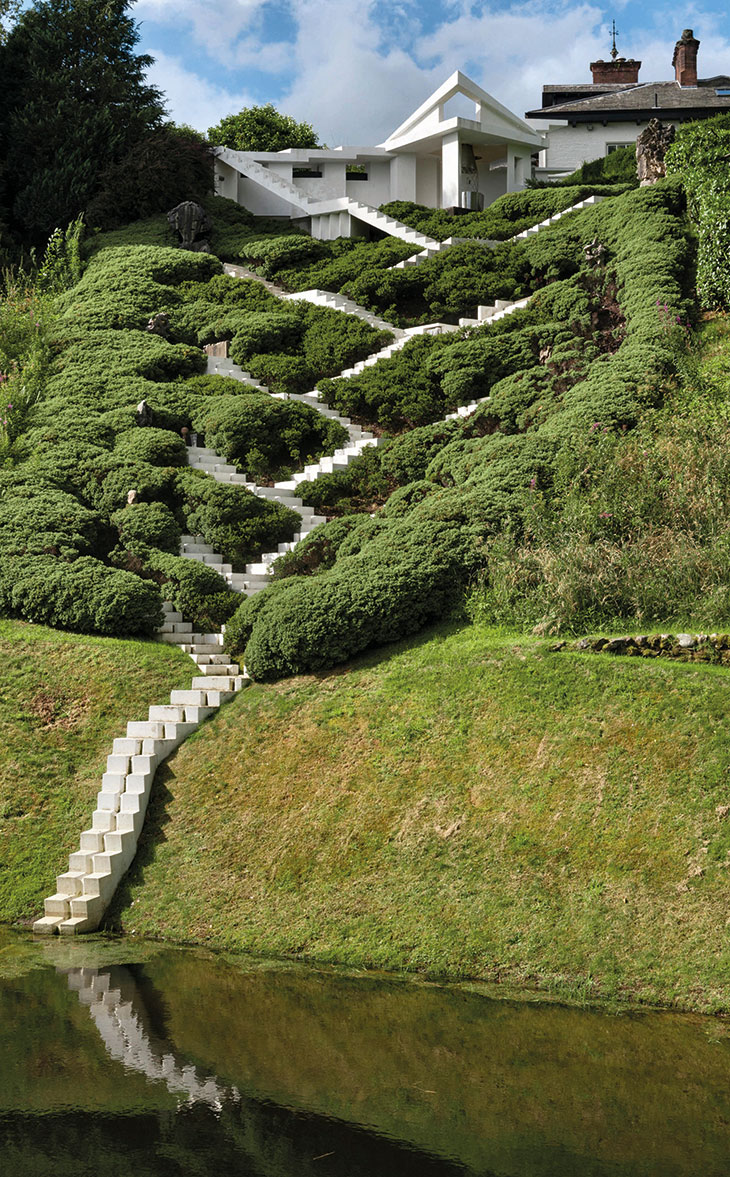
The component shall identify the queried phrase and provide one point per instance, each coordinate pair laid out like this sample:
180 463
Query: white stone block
102 820
144 729
113 782
123 746
81 862
92 841
69 883
108 802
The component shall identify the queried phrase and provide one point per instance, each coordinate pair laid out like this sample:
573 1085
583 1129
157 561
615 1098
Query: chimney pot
622 70
685 59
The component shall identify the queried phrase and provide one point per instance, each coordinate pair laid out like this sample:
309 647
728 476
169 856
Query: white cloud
190 98
216 24
357 68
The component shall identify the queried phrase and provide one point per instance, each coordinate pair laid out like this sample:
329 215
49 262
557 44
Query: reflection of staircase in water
115 1004
237 1132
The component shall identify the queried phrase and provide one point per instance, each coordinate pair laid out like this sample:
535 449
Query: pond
125 1057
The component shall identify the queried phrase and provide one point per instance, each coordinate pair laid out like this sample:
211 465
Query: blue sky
356 68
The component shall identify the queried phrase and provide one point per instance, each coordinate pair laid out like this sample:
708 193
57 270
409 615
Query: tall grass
26 317
636 526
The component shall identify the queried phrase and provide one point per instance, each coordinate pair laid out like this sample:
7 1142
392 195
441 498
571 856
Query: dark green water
130 1059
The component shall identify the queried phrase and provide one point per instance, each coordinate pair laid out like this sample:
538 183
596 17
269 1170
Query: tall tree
262 128
9 9
76 99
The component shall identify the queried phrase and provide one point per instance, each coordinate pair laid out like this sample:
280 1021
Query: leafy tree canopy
262 128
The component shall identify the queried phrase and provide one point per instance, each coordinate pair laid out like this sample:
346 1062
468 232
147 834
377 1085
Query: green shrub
38 520
147 524
264 331
270 254
399 581
363 486
196 590
237 523
503 218
698 157
264 436
406 458
224 291
322 546
158 447
151 483
84 596
126 285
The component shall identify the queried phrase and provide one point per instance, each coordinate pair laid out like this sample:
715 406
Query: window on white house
617 146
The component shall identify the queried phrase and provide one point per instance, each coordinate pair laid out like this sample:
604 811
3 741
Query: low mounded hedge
83 595
149 525
196 590
265 437
238 524
392 587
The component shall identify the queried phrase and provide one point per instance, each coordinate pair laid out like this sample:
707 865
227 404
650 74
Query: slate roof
628 101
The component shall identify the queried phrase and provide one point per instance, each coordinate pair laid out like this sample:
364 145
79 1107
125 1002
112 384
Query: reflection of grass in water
20 954
493 1084
466 806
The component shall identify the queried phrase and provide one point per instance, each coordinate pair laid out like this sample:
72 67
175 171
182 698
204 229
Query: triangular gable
457 83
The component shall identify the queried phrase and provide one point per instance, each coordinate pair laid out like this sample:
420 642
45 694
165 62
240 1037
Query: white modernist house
437 157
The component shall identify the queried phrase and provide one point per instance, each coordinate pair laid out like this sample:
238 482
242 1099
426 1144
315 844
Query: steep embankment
473 805
64 699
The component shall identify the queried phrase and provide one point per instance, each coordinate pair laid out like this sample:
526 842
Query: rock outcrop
651 147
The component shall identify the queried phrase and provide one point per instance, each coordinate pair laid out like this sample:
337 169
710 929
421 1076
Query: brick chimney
620 69
685 59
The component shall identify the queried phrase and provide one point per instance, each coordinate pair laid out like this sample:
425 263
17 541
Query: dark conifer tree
75 101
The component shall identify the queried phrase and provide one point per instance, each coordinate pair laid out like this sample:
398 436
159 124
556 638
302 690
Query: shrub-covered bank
471 806
604 277
76 552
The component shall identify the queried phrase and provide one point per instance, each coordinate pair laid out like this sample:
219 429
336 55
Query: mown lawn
63 699
468 805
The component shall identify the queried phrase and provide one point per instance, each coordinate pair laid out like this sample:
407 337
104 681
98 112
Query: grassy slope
470 805
63 699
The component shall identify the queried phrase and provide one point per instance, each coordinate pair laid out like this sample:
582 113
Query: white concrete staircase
257 574
430 251
107 847
552 220
492 313
338 302
322 207
113 1001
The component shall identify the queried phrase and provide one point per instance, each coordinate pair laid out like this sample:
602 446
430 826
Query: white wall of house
492 181
568 147
262 203
376 190
403 177
428 181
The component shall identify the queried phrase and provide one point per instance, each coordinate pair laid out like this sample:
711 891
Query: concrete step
58 906
47 925
219 682
69 883
220 668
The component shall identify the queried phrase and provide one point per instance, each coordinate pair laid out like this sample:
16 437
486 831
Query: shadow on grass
151 837
377 655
